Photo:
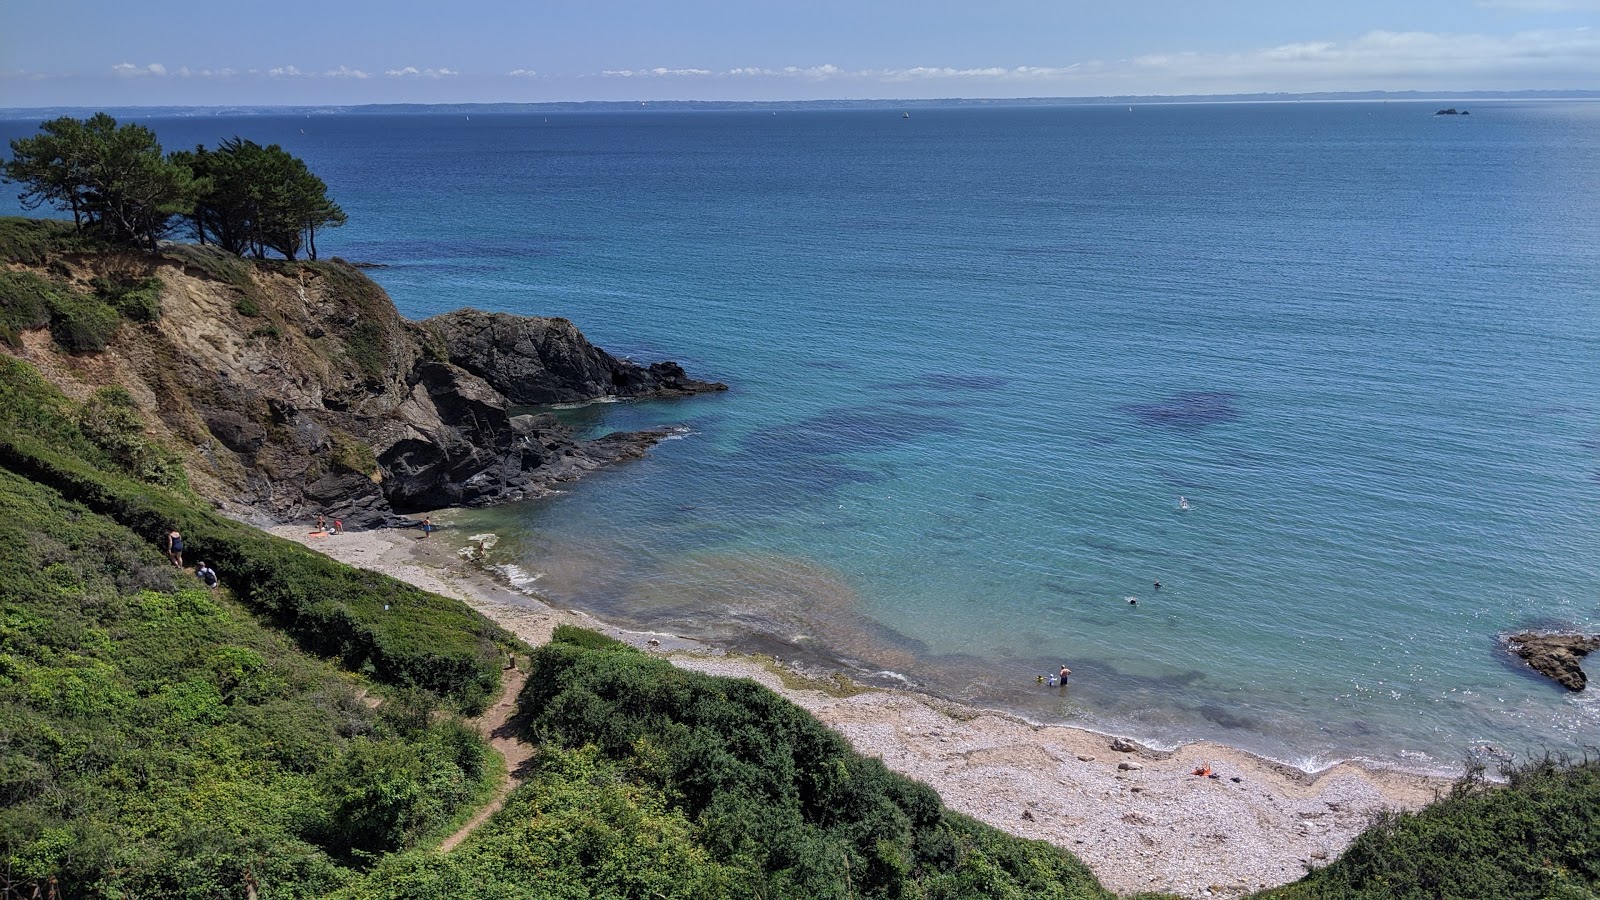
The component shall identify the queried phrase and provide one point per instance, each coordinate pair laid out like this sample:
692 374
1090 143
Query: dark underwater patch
1223 717
853 431
1186 411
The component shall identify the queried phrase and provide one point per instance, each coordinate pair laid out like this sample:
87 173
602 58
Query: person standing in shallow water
175 547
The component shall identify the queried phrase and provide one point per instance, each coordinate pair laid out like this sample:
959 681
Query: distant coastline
796 105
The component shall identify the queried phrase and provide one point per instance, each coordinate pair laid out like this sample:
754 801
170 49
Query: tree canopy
254 199
112 178
118 185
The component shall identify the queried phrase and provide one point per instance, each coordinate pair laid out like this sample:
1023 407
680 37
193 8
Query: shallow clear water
977 356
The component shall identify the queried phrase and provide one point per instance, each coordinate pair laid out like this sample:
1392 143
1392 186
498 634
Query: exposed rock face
1556 655
534 360
296 389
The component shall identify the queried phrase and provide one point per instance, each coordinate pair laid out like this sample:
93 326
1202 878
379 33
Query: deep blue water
978 354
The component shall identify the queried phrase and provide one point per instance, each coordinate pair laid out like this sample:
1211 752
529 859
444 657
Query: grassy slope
157 740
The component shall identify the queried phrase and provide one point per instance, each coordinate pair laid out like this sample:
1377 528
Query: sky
337 52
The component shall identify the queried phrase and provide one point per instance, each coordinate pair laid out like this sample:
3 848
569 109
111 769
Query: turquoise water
978 355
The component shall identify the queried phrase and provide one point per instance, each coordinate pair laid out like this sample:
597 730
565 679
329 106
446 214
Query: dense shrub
22 305
780 803
138 300
1535 838
156 741
29 241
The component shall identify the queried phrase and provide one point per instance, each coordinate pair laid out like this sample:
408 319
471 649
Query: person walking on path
207 576
175 547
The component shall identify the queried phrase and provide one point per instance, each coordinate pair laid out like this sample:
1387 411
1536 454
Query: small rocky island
1452 111
1556 656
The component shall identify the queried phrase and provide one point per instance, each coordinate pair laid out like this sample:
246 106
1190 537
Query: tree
256 198
113 178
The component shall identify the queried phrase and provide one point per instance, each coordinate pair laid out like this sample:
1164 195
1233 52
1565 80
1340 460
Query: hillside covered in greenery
300 727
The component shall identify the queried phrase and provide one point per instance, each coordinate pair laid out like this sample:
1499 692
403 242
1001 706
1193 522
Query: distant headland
800 105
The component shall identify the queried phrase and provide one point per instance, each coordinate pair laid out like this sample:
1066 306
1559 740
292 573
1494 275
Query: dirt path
495 725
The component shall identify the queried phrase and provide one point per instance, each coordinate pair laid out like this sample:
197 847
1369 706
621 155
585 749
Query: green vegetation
1535 838
256 198
119 186
80 323
138 300
112 178
158 741
30 241
657 782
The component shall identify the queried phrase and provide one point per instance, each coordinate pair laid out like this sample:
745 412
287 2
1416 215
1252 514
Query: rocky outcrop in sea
1556 656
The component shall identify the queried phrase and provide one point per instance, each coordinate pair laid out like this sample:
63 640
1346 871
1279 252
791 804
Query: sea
976 356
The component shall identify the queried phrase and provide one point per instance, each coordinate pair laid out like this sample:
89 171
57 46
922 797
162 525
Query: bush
777 800
22 305
138 300
1535 838
29 241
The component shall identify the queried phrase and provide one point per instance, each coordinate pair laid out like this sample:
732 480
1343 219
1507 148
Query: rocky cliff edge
292 389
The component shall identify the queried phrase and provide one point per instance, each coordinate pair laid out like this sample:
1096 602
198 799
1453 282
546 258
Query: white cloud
129 70
414 72
346 72
658 72
284 72
1377 60
523 73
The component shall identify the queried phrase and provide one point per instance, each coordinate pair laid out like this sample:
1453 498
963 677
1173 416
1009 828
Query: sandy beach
1140 818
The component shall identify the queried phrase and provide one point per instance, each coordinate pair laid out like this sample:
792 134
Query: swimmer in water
1158 585
1133 601
1183 502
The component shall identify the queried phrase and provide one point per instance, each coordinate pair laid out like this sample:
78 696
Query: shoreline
1140 819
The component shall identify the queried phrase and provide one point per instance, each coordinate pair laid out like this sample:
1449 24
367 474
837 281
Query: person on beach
427 526
338 526
175 547
207 576
1064 673
322 524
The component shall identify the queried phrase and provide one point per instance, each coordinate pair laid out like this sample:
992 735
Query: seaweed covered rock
1556 656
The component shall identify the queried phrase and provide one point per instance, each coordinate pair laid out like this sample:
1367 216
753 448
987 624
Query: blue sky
157 52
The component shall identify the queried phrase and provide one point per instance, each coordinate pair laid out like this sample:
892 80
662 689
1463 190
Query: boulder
1556 656
1123 745
536 360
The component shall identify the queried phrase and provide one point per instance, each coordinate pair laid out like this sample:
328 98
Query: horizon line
1235 97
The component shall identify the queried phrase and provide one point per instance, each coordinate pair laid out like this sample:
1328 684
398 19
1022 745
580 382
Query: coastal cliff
289 389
